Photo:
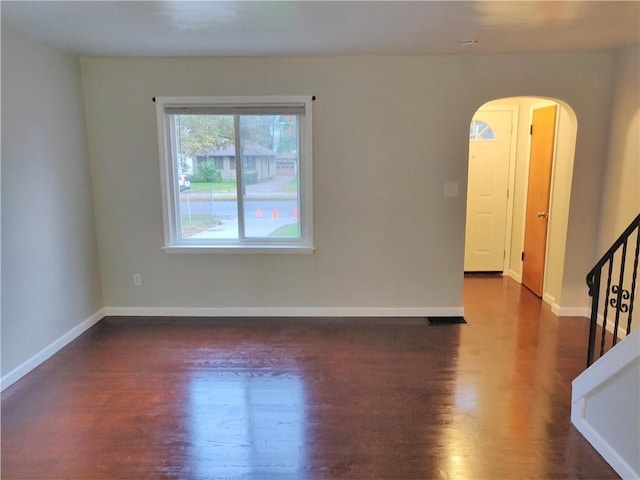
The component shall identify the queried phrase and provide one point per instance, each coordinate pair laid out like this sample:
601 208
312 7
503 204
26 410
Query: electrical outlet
137 279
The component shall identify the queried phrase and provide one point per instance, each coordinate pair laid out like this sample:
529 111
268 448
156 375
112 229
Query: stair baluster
617 298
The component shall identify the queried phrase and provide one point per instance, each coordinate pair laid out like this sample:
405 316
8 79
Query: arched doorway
501 231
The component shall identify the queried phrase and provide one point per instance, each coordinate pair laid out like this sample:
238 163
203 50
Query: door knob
543 214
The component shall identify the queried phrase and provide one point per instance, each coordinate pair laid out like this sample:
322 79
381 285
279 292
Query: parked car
184 181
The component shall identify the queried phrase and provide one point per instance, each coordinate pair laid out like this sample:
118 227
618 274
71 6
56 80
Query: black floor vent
445 320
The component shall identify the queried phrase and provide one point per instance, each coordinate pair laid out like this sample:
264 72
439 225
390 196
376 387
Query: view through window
235 174
267 181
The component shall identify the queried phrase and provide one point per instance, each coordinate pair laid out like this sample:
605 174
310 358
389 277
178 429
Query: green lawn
287 231
230 186
216 187
290 186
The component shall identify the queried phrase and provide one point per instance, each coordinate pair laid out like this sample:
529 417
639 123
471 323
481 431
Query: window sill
293 249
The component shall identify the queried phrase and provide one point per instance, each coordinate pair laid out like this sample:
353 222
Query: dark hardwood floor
310 398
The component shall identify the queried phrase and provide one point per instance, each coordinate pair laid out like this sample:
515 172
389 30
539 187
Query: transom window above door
479 130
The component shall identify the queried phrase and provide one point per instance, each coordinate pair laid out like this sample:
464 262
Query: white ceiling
176 28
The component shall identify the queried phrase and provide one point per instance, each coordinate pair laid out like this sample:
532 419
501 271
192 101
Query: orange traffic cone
258 213
295 213
275 213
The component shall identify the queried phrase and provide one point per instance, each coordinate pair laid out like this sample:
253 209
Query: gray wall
50 275
621 174
621 177
388 133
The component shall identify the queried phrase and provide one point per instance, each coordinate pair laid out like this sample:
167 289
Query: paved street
229 208
259 221
262 202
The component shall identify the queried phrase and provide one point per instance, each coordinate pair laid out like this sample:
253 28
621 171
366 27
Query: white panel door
489 153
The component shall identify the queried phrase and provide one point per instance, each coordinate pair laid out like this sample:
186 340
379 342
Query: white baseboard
548 299
516 276
586 312
570 311
285 312
44 354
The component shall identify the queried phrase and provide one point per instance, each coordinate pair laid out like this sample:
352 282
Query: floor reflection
327 398
504 371
247 422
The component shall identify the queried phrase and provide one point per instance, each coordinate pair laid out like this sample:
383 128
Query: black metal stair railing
619 292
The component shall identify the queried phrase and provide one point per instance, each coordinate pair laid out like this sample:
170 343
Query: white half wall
50 275
604 406
388 133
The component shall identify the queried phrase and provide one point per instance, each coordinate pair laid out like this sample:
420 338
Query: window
478 130
249 163
251 206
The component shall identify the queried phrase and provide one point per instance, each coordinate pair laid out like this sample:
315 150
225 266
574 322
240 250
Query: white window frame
173 241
